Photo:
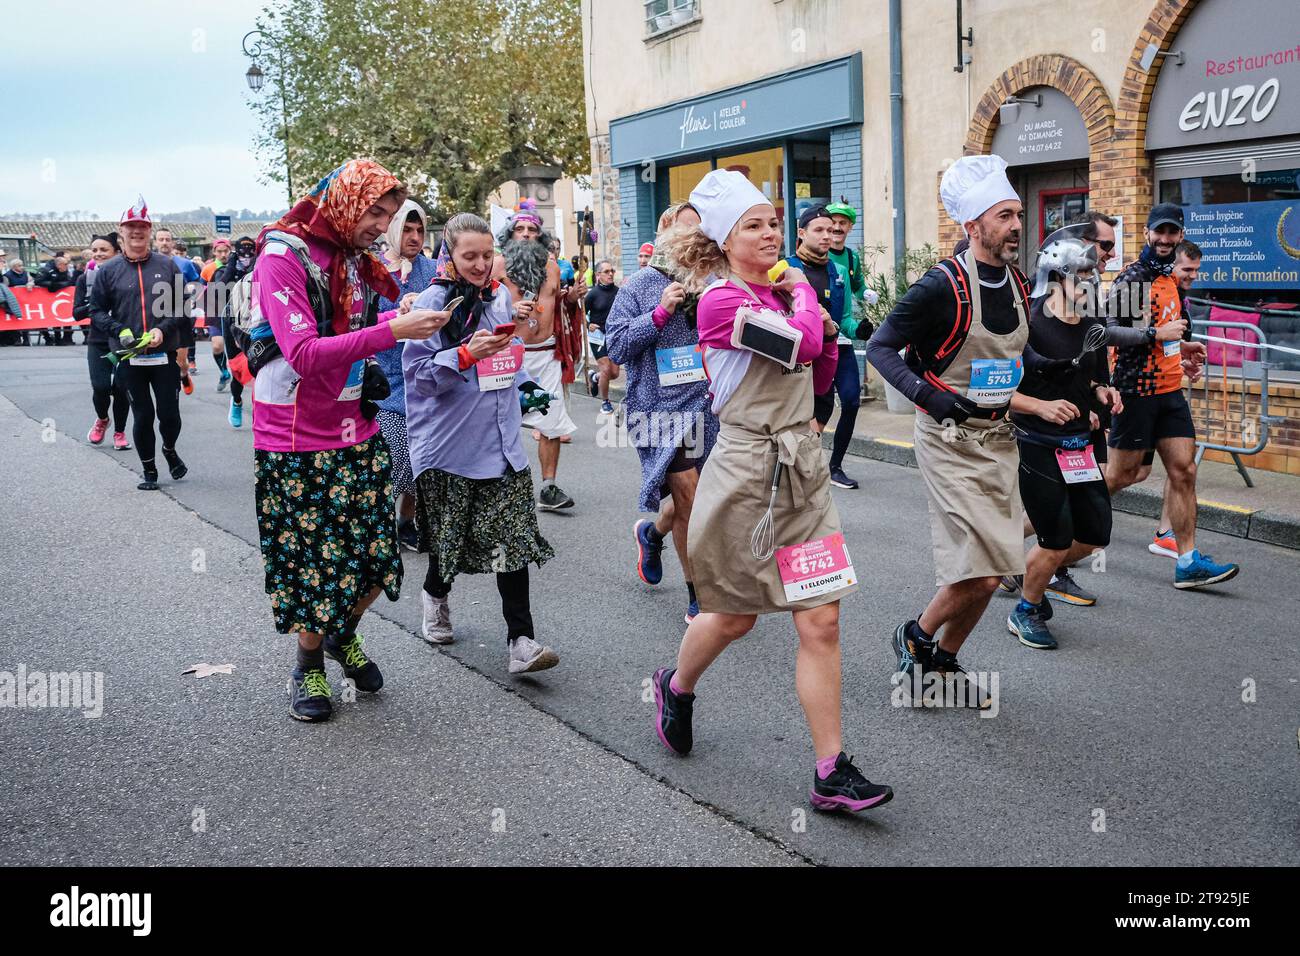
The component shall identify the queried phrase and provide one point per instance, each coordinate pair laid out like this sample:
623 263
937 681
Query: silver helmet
1065 252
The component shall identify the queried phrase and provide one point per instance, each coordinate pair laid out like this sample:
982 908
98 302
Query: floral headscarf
329 214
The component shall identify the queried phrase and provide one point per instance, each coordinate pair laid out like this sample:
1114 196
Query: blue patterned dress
674 413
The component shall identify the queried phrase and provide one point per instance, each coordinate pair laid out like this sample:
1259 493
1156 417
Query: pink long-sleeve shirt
311 401
716 316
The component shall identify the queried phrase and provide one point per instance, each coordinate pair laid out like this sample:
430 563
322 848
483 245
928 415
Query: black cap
1166 213
811 213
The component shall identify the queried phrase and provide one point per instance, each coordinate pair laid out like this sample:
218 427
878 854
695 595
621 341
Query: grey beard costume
526 261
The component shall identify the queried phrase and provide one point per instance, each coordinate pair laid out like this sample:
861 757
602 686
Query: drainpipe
899 189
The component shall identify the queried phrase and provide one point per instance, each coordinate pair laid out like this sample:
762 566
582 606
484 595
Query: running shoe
526 656
407 536
175 466
1065 589
236 414
223 380
841 480
97 431
309 695
187 384
672 713
553 498
946 664
1031 627
120 443
1011 583
912 653
692 610
593 383
150 482
649 563
194 369
356 665
606 408
1164 543
1202 572
436 625
847 789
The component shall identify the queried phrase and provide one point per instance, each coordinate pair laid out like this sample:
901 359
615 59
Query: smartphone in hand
505 328
451 306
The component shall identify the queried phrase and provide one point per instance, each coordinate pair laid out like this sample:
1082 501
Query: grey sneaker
553 498
526 655
1065 589
436 628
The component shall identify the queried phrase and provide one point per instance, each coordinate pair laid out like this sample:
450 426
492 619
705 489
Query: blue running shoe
236 415
649 566
1202 572
692 610
606 408
357 666
222 381
1031 627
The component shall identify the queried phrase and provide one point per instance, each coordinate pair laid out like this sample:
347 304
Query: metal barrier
1253 428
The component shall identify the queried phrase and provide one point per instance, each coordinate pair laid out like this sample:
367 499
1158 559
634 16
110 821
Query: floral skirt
479 525
328 533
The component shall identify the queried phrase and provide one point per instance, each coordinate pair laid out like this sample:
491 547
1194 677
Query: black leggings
164 383
848 385
107 385
513 587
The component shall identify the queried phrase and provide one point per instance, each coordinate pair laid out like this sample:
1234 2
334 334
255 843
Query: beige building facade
1106 105
661 70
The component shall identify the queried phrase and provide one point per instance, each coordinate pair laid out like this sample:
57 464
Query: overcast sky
111 99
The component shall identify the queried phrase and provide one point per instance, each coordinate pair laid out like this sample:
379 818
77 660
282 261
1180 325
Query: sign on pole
223 225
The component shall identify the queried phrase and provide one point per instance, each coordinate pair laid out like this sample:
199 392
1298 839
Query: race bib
816 567
680 365
352 387
154 358
1078 464
596 337
994 381
498 371
1173 347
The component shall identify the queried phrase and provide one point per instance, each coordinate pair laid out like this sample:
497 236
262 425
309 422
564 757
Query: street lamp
256 78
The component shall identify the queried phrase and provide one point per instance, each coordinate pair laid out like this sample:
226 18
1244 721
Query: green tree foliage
449 95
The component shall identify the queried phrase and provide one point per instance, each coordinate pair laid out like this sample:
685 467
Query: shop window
1274 185
765 168
1060 207
810 171
682 179
664 16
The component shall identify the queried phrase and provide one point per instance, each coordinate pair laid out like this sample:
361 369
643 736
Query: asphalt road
1137 721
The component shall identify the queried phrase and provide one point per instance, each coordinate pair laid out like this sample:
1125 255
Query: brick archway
1130 189
1081 85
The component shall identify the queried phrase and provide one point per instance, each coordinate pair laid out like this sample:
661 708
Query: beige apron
972 475
766 416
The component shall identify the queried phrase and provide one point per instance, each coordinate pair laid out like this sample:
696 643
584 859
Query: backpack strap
960 283
318 290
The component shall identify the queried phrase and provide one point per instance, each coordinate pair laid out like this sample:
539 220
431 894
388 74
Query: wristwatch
1151 333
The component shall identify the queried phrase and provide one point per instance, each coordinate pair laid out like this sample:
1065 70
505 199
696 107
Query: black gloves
943 405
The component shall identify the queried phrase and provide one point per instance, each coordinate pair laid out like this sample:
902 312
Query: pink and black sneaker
672 713
97 431
844 788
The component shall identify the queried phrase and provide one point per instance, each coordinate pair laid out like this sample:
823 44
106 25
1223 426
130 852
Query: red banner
42 309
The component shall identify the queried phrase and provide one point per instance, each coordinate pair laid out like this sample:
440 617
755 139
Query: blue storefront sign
222 225
828 94
1247 245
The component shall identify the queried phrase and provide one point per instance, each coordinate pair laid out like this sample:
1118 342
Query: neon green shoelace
353 654
316 683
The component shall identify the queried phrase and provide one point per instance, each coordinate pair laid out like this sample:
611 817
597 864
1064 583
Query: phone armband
766 333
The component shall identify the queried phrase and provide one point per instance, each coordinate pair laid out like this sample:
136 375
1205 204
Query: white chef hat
721 198
973 185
